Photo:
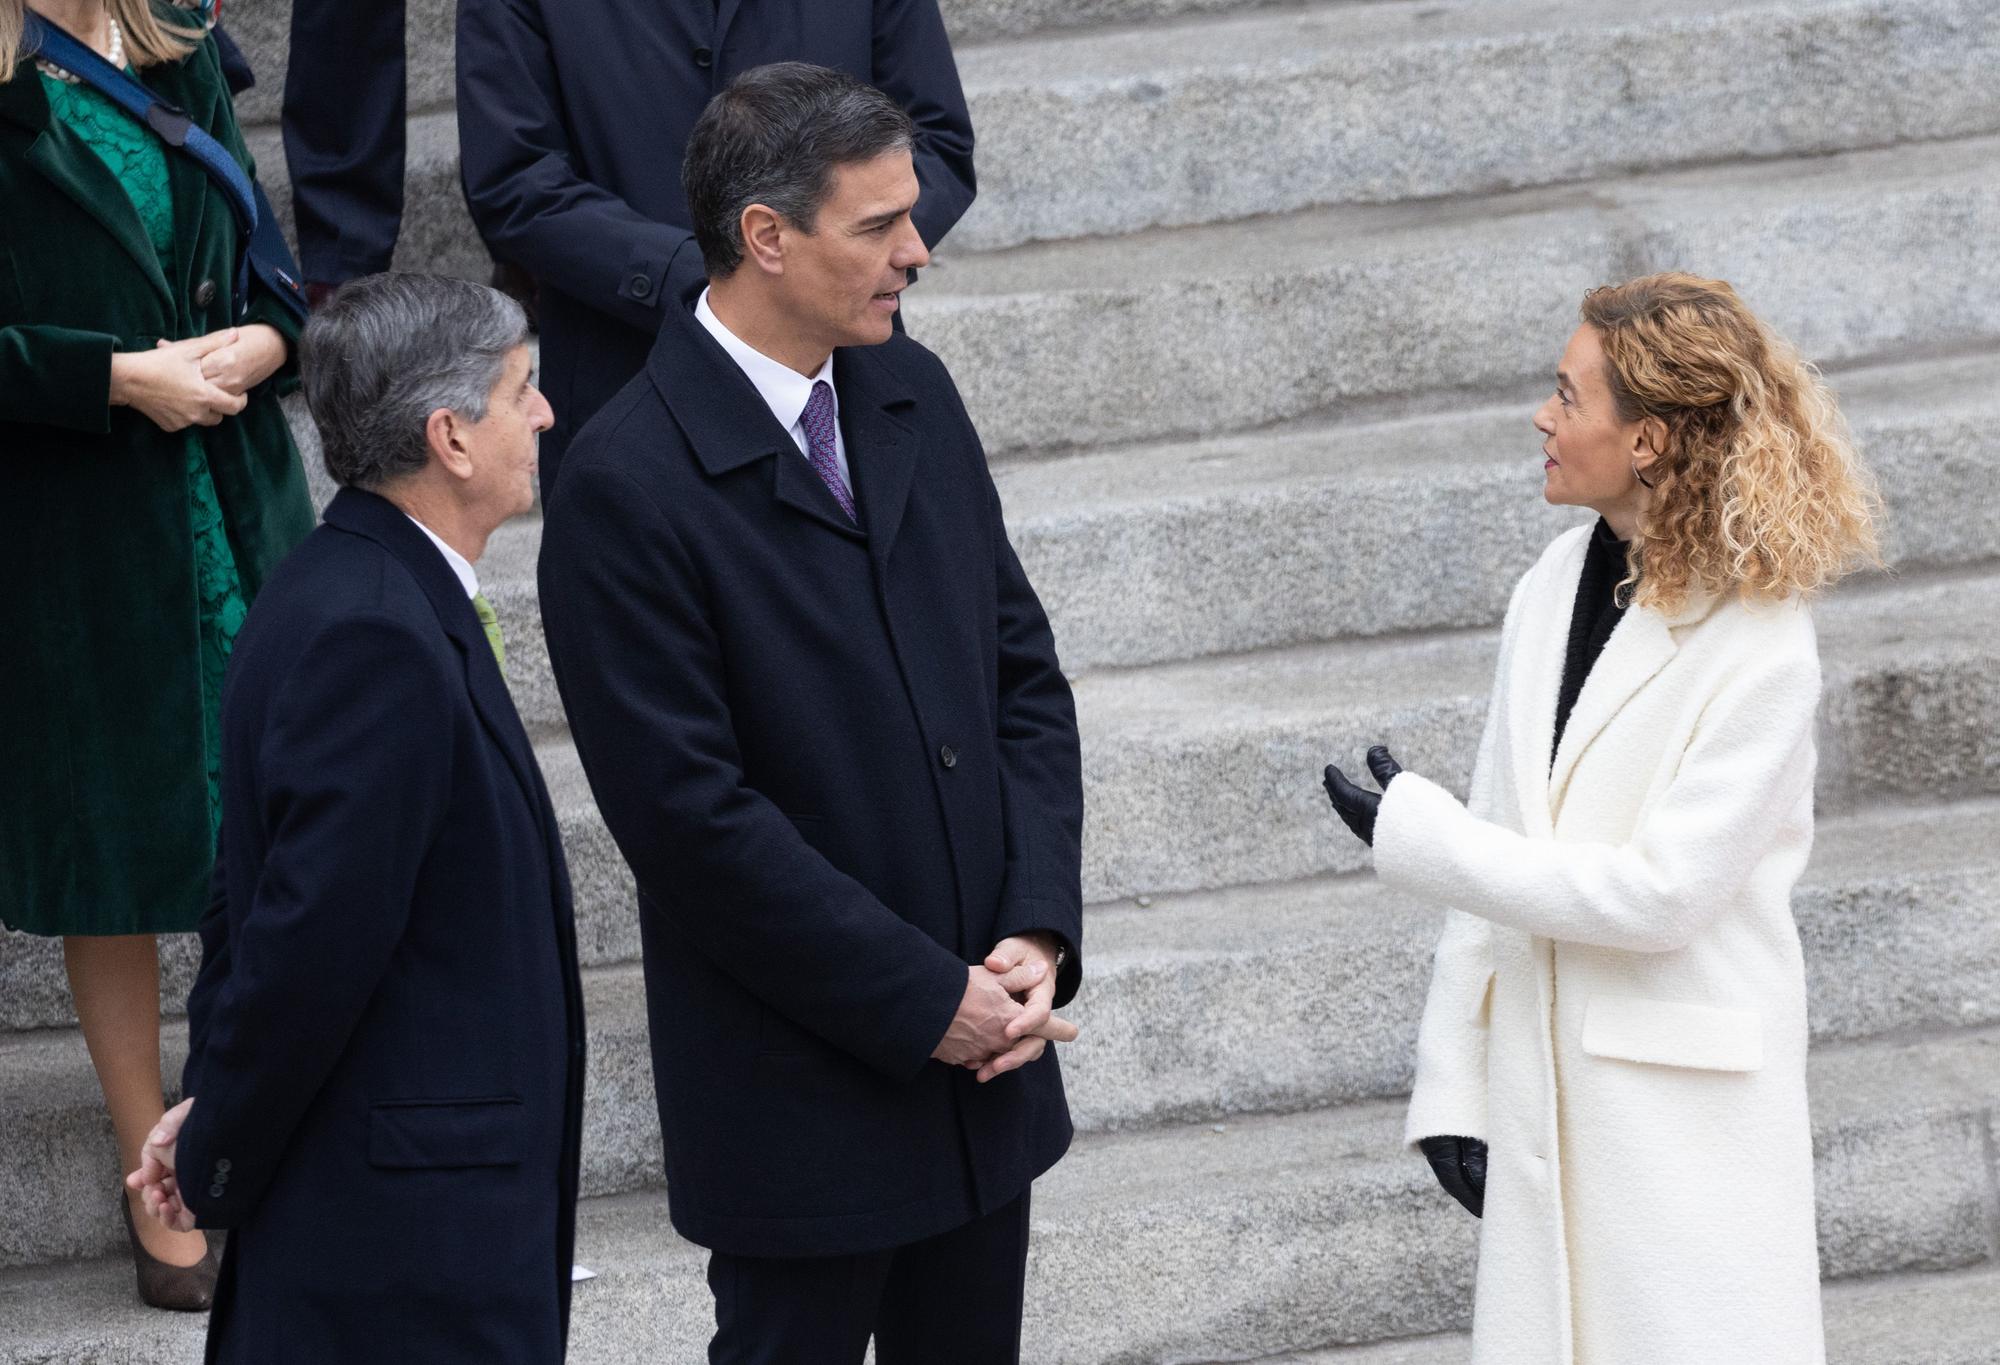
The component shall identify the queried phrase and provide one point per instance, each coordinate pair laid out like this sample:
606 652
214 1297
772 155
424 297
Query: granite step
1202 1008
1936 1319
1394 309
1205 774
1159 552
1275 1235
1201 776
262 28
1191 332
1219 117
437 233
1276 110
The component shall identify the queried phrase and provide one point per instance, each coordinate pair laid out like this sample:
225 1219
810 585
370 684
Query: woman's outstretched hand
1356 806
1460 1166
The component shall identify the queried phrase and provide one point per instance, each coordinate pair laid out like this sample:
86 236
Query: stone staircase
1252 311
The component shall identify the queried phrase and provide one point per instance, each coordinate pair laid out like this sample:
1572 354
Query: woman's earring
1644 482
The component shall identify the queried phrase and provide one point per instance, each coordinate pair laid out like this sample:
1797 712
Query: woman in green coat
151 485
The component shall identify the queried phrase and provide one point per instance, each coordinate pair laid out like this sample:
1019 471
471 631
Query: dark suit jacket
387 1032
572 119
842 763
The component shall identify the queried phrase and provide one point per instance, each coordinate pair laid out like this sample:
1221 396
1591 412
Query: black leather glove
1356 806
1460 1166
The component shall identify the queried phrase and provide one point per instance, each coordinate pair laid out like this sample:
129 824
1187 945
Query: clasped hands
1006 1018
198 381
154 1181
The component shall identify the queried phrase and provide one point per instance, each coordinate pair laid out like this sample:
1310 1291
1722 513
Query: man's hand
257 353
1026 966
979 1030
154 1180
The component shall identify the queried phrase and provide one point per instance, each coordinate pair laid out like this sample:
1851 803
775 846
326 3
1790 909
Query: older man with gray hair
386 1062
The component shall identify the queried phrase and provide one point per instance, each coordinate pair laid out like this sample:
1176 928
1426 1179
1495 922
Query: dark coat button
704 58
948 756
223 1166
641 286
215 1191
204 293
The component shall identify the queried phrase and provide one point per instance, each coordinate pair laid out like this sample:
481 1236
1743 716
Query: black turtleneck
1591 621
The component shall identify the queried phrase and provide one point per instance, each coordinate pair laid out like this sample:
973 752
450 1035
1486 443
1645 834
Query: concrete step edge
1280 1234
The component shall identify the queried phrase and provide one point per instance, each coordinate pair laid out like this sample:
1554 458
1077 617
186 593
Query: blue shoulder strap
177 130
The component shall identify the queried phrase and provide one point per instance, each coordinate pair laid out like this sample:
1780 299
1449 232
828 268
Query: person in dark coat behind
820 709
572 117
385 1068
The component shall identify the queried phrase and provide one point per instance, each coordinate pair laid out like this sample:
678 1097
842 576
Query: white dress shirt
784 390
460 565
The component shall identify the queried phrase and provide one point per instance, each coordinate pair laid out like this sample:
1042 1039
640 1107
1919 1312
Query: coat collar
67 162
728 425
1644 640
369 514
883 444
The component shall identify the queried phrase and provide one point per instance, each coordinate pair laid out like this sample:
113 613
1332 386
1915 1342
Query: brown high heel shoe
179 1288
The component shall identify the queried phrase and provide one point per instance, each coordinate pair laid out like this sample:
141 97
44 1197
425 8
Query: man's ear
444 432
763 239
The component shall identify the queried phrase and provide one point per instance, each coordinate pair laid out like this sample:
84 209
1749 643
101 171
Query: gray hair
389 350
774 137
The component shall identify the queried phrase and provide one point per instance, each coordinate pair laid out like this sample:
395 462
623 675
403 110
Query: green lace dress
139 160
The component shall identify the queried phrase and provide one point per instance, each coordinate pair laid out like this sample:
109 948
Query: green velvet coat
104 827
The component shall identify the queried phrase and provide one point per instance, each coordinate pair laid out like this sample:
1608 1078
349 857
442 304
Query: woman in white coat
1613 1052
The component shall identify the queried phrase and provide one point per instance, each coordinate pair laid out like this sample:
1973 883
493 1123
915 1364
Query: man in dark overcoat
820 709
385 1074
573 115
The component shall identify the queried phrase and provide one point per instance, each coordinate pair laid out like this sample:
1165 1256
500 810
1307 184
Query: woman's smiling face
1588 452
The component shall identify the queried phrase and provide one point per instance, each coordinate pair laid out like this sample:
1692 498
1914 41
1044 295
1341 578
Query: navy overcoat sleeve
915 68
557 141
1041 785
520 166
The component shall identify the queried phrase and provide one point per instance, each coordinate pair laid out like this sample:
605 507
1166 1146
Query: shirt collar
784 390
460 565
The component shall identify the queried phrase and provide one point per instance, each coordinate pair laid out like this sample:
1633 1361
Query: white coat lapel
1638 648
1533 677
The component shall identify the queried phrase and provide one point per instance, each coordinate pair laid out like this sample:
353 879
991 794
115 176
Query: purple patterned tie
818 422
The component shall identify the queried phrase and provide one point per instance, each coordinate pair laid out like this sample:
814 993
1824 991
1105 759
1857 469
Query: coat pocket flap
1673 1033
446 1134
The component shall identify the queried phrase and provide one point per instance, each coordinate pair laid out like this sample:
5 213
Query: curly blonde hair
154 33
1758 487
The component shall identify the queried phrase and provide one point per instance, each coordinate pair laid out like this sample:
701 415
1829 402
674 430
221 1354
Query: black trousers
952 1298
343 121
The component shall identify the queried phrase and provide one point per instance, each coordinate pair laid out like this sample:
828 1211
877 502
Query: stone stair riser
1291 319
1333 105
1303 1011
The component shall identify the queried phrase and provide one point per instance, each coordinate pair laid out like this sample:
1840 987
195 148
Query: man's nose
914 254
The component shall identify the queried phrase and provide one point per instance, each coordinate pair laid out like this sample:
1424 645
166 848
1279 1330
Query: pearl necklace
116 56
